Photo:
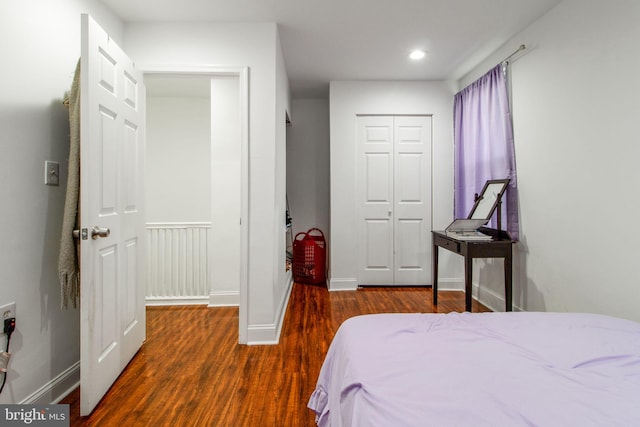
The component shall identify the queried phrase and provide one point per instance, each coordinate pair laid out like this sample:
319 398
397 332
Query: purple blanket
481 369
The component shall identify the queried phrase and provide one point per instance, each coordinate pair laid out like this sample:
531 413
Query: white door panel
112 274
412 208
375 199
410 252
393 170
379 255
409 234
378 178
410 181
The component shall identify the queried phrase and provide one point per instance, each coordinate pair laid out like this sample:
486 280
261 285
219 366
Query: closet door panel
409 237
378 181
378 255
412 203
393 202
410 178
375 199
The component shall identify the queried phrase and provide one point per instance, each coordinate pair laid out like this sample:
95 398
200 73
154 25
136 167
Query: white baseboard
266 334
446 284
56 389
350 284
159 301
486 297
490 299
269 334
450 284
224 299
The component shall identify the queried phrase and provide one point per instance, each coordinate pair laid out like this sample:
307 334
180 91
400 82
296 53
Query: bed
481 369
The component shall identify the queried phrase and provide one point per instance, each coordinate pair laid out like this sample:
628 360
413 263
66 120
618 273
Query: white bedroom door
112 304
394 200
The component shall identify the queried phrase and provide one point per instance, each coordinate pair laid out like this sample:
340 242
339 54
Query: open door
112 305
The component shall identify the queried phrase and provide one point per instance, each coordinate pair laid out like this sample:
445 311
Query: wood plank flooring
191 371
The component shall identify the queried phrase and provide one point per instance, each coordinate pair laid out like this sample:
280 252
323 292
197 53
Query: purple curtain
484 149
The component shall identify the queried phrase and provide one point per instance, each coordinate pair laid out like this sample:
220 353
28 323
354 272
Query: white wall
308 165
282 279
350 98
226 188
41 42
575 112
178 159
253 45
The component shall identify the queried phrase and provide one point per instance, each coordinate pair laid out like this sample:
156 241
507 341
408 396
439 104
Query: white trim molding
491 299
224 299
451 284
243 76
56 389
163 301
270 333
349 284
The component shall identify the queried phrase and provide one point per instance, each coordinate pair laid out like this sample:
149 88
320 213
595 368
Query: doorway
178 189
197 183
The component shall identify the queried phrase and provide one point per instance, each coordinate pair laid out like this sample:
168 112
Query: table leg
508 277
468 275
434 288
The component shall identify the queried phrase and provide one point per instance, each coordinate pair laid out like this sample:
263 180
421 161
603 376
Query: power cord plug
9 326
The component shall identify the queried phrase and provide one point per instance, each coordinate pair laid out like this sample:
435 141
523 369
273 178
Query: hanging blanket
68 265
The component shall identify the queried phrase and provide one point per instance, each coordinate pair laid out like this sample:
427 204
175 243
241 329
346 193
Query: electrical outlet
7 311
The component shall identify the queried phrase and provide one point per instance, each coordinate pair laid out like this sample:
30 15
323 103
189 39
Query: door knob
97 232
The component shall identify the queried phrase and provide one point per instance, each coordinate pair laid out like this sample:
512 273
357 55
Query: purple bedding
481 369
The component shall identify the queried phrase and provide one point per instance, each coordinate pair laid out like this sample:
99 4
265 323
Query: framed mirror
487 201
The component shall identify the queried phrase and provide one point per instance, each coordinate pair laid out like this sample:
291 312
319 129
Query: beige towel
68 265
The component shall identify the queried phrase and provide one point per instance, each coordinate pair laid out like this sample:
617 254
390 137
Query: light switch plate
51 173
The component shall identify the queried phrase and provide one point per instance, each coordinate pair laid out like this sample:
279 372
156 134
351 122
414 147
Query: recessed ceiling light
417 54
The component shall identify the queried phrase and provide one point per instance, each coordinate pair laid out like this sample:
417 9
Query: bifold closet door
393 169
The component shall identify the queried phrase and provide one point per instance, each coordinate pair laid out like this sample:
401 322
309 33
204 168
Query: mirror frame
480 198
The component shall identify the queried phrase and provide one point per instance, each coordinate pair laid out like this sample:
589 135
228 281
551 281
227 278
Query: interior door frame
243 78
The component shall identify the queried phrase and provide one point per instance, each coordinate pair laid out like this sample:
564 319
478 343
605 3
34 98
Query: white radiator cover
178 263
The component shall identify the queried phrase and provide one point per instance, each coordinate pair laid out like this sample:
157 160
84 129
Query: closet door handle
97 232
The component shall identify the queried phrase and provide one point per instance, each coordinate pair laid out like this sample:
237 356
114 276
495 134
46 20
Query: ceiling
326 40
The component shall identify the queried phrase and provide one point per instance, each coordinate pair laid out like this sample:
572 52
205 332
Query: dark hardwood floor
191 371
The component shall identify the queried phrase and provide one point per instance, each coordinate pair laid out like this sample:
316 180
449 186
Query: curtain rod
522 47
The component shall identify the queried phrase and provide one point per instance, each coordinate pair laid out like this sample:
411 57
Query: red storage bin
309 255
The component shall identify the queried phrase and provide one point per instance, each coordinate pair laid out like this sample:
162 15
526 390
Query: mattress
481 369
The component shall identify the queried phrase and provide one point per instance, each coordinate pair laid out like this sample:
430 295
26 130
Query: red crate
309 255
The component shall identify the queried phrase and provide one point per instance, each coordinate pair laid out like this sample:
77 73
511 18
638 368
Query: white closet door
375 199
393 170
412 200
